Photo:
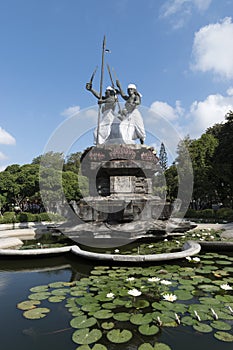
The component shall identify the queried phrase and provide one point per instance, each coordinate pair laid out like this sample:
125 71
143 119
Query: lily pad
224 336
28 304
119 336
146 329
82 322
141 304
56 298
39 296
203 328
39 289
222 326
85 336
37 313
183 294
121 316
107 325
103 314
139 319
56 284
91 307
161 346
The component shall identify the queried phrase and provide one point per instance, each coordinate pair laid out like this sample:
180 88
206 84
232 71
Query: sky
179 53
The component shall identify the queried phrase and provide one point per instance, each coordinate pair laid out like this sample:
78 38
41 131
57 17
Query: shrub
225 214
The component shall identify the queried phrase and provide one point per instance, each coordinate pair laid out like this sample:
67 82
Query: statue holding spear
107 104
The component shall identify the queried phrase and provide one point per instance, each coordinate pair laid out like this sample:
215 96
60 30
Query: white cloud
213 49
6 138
179 11
165 110
193 122
2 156
70 111
204 114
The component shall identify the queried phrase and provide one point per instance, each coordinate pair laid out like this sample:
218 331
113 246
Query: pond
160 306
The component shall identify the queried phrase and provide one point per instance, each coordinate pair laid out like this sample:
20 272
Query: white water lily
196 259
134 292
110 295
150 246
169 297
130 279
116 250
165 282
226 286
153 279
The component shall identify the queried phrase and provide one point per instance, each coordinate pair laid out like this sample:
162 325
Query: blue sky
178 52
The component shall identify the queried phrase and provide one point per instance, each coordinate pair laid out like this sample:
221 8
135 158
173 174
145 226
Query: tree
163 157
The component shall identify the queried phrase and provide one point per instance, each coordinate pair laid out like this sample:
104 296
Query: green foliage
11 217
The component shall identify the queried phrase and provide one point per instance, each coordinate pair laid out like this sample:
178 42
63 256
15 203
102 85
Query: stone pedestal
120 182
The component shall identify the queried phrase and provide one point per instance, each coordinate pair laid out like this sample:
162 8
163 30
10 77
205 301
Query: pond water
18 276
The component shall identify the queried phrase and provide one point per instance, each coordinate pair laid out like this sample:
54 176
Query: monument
120 169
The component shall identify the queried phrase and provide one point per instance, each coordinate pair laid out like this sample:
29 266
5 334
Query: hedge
10 217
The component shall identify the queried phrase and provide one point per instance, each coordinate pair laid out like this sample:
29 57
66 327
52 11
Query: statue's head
110 91
131 88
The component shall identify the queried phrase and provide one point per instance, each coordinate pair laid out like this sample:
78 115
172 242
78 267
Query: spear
101 88
113 86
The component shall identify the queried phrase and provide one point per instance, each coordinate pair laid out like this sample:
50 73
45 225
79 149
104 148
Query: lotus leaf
222 326
56 284
38 289
82 322
208 287
223 262
209 301
28 304
109 306
103 314
39 296
146 329
139 319
91 307
188 321
146 346
33 314
224 336
121 316
77 292
183 294
119 336
107 325
202 327
60 291
56 298
85 336
161 346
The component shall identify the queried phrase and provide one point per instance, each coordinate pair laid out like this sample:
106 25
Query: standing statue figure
108 102
132 126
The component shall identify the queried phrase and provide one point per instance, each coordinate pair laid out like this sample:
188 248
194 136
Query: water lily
110 295
165 282
226 286
153 279
130 279
116 250
169 297
134 292
150 246
196 259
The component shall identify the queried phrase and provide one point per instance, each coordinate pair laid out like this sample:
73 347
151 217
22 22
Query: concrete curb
190 248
